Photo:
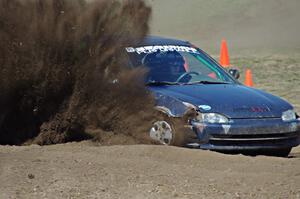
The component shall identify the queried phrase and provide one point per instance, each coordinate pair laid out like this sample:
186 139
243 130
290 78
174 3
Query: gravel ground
84 170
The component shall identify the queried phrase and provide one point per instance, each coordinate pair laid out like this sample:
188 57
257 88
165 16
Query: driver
165 66
175 63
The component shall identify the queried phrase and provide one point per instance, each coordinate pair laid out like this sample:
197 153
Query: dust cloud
63 75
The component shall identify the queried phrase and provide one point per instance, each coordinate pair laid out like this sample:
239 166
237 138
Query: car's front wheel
170 131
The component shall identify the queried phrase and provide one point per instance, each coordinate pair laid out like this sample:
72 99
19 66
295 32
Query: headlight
212 118
289 115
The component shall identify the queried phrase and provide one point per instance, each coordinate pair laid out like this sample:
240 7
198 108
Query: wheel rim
162 131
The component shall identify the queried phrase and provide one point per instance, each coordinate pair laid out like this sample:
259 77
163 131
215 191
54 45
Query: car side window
193 64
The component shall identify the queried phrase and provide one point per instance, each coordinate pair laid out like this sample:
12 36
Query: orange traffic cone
224 57
248 78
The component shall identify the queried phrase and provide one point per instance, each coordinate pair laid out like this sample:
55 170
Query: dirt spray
63 76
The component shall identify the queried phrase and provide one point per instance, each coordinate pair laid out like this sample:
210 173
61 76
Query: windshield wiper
159 83
208 82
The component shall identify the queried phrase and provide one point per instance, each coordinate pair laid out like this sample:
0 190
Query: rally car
217 111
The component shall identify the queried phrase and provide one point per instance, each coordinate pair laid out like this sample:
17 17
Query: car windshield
177 65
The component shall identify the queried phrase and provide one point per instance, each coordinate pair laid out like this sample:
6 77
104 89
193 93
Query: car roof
156 40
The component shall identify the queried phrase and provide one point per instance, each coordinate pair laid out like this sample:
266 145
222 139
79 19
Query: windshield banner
161 48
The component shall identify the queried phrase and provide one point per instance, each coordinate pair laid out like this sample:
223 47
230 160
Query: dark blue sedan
204 105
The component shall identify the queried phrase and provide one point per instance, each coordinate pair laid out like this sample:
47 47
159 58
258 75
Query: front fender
173 107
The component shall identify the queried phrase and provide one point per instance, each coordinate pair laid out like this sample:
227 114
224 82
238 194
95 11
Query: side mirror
234 73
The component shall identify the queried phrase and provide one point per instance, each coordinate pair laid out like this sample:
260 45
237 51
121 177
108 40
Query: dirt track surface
83 170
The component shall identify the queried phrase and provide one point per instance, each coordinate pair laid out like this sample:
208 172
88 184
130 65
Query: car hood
231 100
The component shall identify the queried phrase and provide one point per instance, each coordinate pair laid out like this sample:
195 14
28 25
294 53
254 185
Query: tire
181 135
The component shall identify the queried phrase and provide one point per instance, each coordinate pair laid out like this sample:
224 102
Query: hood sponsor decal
260 109
254 109
205 107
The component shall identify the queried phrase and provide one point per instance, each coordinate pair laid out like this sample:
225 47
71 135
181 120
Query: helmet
168 65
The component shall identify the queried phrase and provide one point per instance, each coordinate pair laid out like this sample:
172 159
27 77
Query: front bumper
248 134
